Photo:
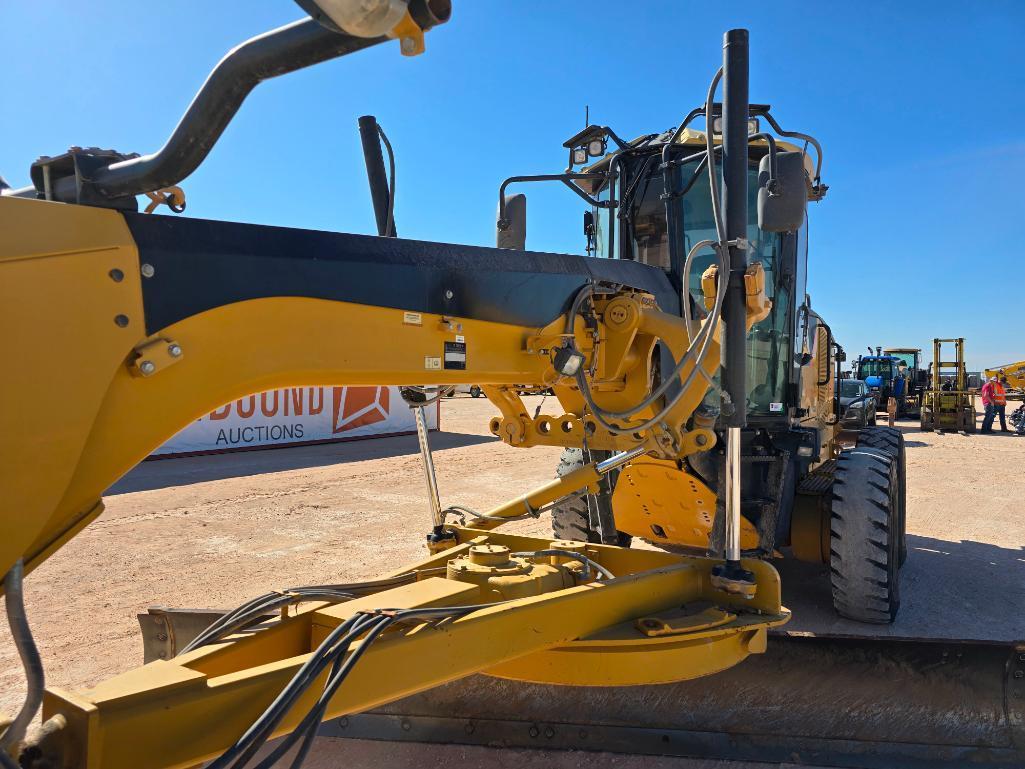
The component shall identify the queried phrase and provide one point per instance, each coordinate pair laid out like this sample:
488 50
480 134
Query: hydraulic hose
590 564
257 608
703 338
35 681
713 179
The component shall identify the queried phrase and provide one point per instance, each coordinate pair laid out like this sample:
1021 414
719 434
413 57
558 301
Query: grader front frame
156 320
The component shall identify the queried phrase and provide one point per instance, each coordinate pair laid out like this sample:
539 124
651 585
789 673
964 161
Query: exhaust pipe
380 194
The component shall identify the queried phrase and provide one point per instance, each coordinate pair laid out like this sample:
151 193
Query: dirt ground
214 531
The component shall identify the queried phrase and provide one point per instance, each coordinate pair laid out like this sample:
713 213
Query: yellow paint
82 411
586 634
1015 373
653 496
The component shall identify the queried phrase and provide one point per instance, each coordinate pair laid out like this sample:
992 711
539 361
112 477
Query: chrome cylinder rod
733 495
432 481
618 460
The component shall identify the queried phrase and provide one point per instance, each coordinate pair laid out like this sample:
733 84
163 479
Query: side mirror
782 201
512 226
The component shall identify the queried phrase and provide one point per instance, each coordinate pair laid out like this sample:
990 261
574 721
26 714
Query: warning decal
455 355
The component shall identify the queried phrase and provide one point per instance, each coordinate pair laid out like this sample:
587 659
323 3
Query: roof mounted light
589 143
752 126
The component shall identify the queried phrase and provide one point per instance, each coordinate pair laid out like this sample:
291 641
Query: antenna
587 116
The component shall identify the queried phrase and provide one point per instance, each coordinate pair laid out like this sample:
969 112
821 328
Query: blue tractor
888 376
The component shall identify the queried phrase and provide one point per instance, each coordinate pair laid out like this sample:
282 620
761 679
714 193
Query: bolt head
448 293
147 270
121 320
116 275
147 367
174 350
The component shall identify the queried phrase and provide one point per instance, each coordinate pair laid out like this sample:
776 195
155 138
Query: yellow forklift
947 404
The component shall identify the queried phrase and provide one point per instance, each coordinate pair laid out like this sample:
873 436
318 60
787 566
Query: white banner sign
298 415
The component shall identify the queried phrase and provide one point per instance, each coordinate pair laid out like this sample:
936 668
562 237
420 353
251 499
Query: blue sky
918 105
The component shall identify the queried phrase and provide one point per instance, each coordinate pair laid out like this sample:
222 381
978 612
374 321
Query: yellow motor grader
697 389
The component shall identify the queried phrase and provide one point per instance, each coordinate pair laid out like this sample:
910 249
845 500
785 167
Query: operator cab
779 346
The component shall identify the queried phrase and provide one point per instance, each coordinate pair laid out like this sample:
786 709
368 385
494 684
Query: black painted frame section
200 265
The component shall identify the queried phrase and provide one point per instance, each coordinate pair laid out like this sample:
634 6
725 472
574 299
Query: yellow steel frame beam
85 410
185 711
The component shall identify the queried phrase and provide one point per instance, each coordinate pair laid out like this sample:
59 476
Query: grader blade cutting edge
846 701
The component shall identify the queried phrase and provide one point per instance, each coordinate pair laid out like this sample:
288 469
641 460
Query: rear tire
891 441
864 548
570 518
475 391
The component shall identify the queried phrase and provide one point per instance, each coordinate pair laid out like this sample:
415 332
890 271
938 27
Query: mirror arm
583 195
565 178
804 137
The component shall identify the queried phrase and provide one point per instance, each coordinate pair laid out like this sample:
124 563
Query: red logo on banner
357 407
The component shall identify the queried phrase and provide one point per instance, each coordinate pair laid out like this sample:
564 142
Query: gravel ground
213 531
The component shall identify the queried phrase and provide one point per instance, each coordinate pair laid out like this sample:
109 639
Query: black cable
389 230
255 609
35 681
239 753
331 652
371 625
307 727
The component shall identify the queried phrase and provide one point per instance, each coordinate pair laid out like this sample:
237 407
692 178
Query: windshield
880 368
643 237
908 358
851 388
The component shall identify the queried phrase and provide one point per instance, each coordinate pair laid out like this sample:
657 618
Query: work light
568 361
752 125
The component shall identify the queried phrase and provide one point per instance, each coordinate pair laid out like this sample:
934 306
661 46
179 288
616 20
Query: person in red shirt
994 398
